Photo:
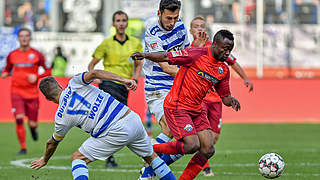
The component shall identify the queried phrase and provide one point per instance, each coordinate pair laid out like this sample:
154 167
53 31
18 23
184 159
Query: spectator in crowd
25 12
43 23
59 63
24 63
115 52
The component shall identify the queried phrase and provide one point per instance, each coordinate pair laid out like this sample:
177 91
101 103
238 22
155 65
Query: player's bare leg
21 134
164 127
206 169
205 151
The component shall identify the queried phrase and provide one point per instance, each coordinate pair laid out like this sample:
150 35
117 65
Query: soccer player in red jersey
24 63
201 68
212 102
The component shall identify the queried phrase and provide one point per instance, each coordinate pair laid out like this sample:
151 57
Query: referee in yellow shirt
115 52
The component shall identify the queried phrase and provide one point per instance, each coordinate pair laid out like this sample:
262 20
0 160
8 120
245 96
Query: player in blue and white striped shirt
168 34
111 124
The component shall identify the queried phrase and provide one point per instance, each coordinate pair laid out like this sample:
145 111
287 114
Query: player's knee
215 140
167 132
208 151
76 155
33 124
19 121
191 147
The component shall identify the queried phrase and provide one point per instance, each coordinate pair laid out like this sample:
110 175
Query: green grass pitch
237 152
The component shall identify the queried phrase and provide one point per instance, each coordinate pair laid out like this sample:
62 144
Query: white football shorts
128 131
155 101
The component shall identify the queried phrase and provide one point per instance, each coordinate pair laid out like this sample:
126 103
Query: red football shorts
214 113
183 123
29 107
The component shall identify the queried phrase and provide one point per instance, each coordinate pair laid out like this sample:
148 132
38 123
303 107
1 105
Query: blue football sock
169 159
148 172
162 138
162 170
79 170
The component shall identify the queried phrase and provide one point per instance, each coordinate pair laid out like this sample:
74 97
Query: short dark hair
171 5
220 35
49 87
24 29
119 13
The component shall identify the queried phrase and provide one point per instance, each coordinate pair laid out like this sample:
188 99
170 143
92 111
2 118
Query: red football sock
173 147
21 133
206 165
194 167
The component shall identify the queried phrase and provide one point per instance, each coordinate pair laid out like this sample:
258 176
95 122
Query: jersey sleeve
78 81
223 87
186 57
61 128
100 51
231 60
9 65
47 71
153 43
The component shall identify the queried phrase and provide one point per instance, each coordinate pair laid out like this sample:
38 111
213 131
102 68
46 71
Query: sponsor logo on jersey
208 76
188 127
220 70
23 64
153 45
176 53
31 56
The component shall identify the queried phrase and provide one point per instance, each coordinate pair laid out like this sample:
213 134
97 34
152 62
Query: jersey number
76 97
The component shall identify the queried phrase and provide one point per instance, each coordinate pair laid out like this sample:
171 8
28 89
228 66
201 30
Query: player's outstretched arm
92 63
105 75
236 66
50 149
154 56
231 101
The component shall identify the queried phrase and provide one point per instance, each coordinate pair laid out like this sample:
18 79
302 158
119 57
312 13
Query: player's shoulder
134 39
153 29
107 40
180 23
33 50
179 26
14 51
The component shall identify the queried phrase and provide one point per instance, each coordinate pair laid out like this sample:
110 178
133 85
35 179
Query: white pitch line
22 164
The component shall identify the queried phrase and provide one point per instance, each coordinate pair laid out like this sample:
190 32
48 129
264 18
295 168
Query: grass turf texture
237 152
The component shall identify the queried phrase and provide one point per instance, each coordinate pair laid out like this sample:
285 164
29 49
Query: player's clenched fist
131 84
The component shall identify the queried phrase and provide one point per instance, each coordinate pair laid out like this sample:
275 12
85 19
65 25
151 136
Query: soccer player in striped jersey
212 102
167 34
111 124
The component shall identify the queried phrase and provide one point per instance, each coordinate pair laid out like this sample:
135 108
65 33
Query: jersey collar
121 42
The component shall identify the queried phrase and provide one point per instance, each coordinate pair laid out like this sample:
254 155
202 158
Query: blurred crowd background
270 34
